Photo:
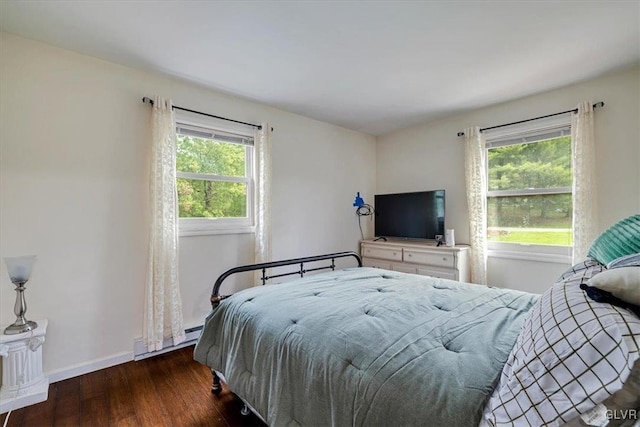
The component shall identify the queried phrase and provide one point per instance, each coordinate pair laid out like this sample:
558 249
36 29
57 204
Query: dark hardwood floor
167 390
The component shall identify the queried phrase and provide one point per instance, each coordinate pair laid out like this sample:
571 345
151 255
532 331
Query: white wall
431 156
74 141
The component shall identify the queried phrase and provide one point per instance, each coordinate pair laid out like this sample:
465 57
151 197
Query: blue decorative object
359 201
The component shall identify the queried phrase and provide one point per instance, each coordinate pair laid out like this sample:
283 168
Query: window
529 180
214 180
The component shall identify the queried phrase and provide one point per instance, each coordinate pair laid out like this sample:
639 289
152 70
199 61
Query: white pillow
622 282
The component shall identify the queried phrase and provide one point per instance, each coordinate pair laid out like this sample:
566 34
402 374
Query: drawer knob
410 255
444 258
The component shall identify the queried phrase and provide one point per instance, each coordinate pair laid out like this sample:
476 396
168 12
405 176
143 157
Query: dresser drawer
404 268
382 253
451 275
447 260
376 263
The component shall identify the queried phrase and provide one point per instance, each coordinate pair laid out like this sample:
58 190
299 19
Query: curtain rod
575 110
175 107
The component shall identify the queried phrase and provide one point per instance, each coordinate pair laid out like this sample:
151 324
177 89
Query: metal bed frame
216 298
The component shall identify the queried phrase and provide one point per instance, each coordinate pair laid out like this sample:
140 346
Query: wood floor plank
177 407
227 403
147 400
197 386
68 408
121 409
166 390
16 418
92 384
46 410
93 400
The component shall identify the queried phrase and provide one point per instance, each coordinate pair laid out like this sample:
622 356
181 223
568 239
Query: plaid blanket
571 355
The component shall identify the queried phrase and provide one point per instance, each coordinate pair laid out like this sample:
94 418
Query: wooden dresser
423 258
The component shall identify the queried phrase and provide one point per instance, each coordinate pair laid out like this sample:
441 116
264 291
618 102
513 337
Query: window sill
206 227
191 233
538 253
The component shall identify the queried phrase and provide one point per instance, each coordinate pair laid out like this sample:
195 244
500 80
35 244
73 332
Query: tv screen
418 215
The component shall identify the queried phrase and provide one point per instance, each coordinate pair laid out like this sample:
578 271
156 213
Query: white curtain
163 305
262 141
584 180
476 181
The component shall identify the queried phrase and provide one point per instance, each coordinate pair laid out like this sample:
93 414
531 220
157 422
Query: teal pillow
622 238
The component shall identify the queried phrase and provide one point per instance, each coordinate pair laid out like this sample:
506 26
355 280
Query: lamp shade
20 267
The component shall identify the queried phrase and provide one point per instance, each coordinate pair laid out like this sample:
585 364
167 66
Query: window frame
228 225
529 132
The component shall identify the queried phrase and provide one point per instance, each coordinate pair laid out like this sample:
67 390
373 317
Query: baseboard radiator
140 349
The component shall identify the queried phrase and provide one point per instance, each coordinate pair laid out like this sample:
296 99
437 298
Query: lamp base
19 328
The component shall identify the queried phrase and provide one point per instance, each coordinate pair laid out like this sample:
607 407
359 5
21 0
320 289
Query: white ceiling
371 66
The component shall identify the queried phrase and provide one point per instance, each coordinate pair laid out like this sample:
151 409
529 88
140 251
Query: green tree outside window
212 197
531 218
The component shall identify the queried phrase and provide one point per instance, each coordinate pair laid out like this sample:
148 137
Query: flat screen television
418 215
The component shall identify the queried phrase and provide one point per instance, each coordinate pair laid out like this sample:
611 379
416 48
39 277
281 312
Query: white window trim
500 137
213 226
529 192
530 252
213 177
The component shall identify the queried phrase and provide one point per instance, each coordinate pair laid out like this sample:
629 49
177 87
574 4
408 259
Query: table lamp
19 272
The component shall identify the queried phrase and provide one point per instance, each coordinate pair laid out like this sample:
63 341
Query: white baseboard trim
140 349
85 368
164 350
139 353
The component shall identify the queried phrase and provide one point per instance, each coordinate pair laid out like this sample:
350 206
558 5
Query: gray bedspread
364 347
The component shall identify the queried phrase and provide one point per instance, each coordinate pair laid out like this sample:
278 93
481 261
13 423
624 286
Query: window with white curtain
529 189
214 170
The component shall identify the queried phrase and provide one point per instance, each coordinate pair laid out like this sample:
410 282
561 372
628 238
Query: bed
365 346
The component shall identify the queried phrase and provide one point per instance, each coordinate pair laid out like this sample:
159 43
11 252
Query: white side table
23 382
